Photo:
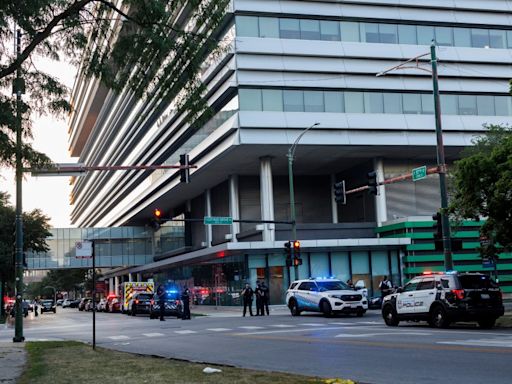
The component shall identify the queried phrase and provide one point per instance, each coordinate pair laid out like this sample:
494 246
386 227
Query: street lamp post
291 156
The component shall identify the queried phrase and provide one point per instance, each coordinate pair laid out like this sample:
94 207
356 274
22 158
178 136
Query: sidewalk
233 311
12 360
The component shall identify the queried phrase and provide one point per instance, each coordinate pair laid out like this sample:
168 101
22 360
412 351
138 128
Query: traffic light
157 217
438 231
296 249
184 172
372 183
288 253
297 261
339 192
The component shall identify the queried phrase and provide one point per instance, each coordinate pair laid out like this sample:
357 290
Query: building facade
289 66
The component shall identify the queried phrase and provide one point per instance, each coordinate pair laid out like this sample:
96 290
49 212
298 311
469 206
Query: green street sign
419 173
217 220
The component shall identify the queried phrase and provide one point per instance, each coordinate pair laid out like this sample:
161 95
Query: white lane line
313 324
119 337
507 343
219 329
185 332
289 331
282 326
353 335
156 334
341 323
370 322
251 327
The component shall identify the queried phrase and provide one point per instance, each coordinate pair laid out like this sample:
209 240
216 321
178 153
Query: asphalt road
363 349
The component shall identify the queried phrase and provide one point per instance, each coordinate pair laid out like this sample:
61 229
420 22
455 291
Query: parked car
59 302
74 303
140 302
113 304
48 305
83 302
67 303
102 305
173 305
89 306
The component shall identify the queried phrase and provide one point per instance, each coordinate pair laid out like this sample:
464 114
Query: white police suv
328 296
443 298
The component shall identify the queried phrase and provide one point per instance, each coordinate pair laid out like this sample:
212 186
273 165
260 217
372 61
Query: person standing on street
160 292
265 299
247 294
259 297
185 298
385 287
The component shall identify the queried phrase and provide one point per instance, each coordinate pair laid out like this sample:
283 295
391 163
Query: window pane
330 30
313 101
449 104
509 39
373 102
369 32
310 29
272 100
289 29
392 103
502 104
269 27
407 34
411 103
333 101
427 104
497 39
462 37
349 31
250 99
354 102
467 105
247 26
444 36
293 101
388 33
485 105
479 38
425 35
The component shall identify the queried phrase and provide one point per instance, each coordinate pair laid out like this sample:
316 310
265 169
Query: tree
483 184
137 47
36 228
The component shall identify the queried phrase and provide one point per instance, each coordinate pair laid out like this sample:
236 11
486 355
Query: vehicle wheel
390 316
54 311
326 309
438 318
486 323
294 308
134 312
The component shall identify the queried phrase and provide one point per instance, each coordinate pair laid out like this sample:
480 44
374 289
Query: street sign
218 220
419 173
83 249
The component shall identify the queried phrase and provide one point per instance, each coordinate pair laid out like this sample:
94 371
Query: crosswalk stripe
120 337
156 334
218 329
250 327
352 335
185 332
282 325
369 322
313 324
507 343
340 323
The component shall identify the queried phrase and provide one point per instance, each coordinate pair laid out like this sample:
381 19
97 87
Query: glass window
411 103
319 264
449 104
306 286
340 265
392 103
272 99
313 101
467 105
369 32
293 101
425 34
247 26
250 99
350 31
444 36
269 27
427 104
310 29
388 33
289 28
411 285
485 105
426 284
333 101
509 39
354 102
479 38
462 37
407 34
497 39
373 102
502 104
330 30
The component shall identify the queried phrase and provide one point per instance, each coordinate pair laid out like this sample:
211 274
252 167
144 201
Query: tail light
136 301
459 293
152 302
177 302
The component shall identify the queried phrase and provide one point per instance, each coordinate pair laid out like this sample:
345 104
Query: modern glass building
289 65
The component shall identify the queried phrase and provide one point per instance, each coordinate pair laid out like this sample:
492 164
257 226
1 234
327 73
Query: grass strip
59 362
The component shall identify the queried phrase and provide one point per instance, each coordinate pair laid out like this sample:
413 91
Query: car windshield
331 286
47 301
144 296
476 282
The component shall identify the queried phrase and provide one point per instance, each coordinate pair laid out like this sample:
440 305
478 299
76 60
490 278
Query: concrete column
381 213
208 228
139 277
234 205
116 285
267 197
334 205
130 277
111 286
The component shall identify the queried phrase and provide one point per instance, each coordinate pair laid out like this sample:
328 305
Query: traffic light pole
441 163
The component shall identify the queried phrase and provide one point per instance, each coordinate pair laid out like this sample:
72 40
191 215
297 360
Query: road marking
290 330
340 323
382 334
282 326
370 322
185 332
120 337
504 343
156 334
251 327
313 324
219 329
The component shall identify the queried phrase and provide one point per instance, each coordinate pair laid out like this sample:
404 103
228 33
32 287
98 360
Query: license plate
485 296
353 305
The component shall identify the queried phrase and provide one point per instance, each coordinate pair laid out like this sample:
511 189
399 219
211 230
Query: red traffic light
296 244
157 213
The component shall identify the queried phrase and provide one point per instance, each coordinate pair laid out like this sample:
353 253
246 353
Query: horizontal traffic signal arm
88 168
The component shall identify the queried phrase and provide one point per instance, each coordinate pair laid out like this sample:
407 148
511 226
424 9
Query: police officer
247 294
185 298
259 299
161 301
265 298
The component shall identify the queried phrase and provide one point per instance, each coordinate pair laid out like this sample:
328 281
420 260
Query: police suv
327 296
443 298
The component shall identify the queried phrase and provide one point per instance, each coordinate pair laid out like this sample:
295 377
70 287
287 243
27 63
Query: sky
50 194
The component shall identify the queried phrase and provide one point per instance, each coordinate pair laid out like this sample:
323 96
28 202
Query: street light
291 156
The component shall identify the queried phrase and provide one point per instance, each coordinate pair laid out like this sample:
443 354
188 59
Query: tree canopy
483 184
138 47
